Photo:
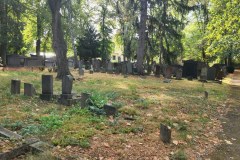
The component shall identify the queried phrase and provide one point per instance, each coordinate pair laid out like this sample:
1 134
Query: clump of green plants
179 155
51 122
142 104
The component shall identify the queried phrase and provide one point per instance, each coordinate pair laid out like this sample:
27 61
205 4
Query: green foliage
179 155
51 122
88 45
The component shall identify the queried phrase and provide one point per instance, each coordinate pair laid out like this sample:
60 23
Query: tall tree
59 44
142 36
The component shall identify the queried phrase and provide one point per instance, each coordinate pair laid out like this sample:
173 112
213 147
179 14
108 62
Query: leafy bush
51 122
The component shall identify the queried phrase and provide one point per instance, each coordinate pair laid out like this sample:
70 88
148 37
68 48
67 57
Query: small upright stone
29 90
109 110
179 74
205 94
165 133
47 87
15 86
84 99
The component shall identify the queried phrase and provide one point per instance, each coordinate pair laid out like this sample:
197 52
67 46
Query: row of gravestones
109 67
212 73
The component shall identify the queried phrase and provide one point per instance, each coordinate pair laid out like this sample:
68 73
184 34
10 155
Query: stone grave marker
204 73
81 71
129 68
109 110
109 67
15 86
211 74
165 133
157 71
179 74
29 90
47 87
84 99
124 68
66 96
168 72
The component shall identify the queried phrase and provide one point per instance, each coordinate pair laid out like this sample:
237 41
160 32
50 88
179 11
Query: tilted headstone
179 74
165 133
15 86
211 73
29 90
81 71
204 73
47 87
109 110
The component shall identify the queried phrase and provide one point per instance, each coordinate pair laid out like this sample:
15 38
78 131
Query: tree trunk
38 42
72 34
3 31
142 37
59 44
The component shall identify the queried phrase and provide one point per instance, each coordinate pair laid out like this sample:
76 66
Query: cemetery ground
143 103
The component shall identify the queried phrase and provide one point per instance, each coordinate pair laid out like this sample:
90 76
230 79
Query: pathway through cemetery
230 148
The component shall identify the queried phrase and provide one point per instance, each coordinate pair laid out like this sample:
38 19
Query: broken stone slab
109 110
40 147
167 80
165 133
9 134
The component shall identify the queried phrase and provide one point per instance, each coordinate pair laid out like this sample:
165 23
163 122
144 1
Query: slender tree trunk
3 31
59 44
39 28
142 37
72 34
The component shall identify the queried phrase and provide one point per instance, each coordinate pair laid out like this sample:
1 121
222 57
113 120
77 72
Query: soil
230 148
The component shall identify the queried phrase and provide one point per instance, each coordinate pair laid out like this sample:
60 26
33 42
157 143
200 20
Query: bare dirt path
230 148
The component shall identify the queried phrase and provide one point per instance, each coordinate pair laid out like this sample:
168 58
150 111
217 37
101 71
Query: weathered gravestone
15 86
109 110
47 87
158 70
29 90
91 69
178 74
129 68
81 71
84 99
165 133
109 67
168 72
124 68
66 96
203 75
211 74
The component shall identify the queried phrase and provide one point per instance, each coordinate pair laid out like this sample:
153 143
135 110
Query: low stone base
68 102
46 97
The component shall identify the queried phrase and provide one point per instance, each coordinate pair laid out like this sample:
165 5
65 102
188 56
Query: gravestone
205 94
109 67
158 70
15 86
211 74
66 96
109 110
129 68
84 99
91 69
165 133
81 71
178 74
124 68
29 90
168 72
47 87
190 69
220 75
204 73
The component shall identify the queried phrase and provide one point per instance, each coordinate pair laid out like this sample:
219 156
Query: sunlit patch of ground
179 104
